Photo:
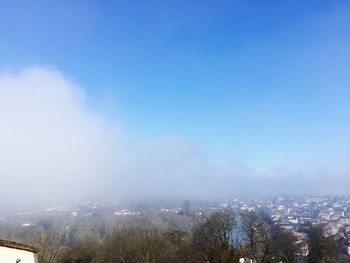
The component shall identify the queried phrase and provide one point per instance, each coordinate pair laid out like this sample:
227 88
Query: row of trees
220 238
223 236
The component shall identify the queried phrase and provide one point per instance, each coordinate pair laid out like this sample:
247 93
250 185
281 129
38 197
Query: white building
12 252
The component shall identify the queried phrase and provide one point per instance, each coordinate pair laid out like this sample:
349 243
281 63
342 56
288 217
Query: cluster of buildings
292 213
126 212
333 212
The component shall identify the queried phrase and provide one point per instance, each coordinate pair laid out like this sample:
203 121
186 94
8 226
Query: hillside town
293 214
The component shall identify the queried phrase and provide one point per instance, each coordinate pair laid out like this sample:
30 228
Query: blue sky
266 82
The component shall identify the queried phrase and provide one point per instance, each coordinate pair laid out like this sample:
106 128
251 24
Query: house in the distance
13 252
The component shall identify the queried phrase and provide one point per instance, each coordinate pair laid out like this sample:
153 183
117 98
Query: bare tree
263 241
213 240
49 245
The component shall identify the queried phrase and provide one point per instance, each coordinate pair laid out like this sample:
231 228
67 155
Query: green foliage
321 249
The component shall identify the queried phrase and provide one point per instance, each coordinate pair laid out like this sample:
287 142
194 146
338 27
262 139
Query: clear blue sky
266 80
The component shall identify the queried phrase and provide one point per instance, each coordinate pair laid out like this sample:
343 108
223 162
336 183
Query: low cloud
54 148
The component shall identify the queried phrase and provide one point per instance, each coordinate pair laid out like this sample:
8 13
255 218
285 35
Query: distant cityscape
291 213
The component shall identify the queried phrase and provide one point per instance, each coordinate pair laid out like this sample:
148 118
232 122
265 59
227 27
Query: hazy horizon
180 100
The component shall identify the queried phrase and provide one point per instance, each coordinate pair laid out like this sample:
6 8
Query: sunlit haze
173 99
